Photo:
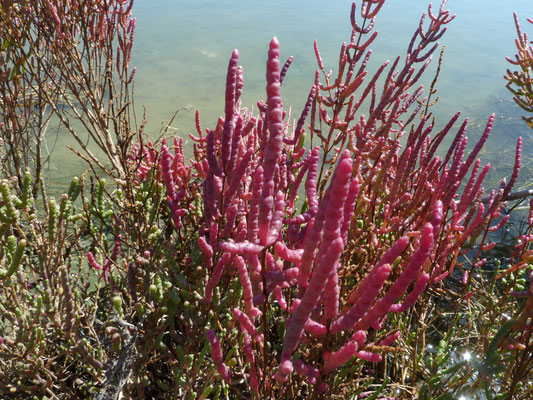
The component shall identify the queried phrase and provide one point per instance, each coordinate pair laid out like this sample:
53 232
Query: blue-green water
182 48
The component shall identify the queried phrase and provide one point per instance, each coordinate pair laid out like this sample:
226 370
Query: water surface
182 48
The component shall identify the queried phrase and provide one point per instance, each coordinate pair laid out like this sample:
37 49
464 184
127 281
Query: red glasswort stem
305 370
331 296
478 147
247 324
231 214
516 169
291 255
116 248
368 356
239 84
113 258
249 354
339 357
213 236
388 258
237 176
253 210
249 127
240 248
285 68
309 301
401 284
456 141
299 126
389 340
211 154
279 297
166 167
229 122
441 135
275 138
500 224
466 202
198 125
247 287
277 219
312 240
470 183
216 355
349 207
207 252
412 297
371 286
310 183
359 337
209 197
255 273
215 277
286 275
92 261
235 140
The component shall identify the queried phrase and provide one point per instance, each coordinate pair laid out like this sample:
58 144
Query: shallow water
182 48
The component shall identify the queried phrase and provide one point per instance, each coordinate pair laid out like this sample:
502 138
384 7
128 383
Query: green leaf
375 395
493 345
445 396
360 389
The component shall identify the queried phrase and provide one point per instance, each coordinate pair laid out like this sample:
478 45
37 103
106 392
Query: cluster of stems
382 217
286 257
520 83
